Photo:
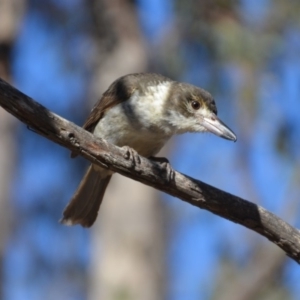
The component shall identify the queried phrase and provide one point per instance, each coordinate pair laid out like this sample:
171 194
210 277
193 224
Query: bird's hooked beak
214 125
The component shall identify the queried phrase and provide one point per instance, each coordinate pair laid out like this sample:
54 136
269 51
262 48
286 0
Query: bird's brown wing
118 92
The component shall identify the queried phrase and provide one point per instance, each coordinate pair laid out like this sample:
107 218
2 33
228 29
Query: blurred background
146 245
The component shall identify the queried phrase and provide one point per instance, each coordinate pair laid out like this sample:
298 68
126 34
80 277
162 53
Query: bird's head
193 109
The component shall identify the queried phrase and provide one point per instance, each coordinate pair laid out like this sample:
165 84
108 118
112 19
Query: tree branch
195 192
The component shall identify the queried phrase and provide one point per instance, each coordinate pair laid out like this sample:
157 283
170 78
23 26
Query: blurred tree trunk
11 12
128 238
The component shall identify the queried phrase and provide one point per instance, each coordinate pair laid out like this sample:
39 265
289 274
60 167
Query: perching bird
141 111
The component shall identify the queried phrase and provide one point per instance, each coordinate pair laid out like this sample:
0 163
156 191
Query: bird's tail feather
83 207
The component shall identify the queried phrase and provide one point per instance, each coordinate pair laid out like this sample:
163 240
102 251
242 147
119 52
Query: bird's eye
195 105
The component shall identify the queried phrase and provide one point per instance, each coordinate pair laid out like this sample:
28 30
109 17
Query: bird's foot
132 155
165 164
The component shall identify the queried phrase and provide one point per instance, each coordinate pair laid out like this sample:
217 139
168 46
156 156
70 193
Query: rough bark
151 173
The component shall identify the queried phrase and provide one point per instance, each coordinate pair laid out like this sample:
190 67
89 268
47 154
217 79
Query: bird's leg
132 155
165 164
160 160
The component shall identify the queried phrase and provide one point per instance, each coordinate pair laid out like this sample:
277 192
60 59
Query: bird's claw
132 155
164 163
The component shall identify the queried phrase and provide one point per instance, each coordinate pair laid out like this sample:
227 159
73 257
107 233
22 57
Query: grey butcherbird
141 111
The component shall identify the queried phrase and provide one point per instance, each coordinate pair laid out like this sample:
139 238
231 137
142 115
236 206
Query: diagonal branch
195 192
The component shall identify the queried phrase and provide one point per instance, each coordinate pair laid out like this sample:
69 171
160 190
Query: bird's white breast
138 122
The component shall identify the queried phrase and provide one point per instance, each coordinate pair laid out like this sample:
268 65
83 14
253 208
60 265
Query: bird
141 111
